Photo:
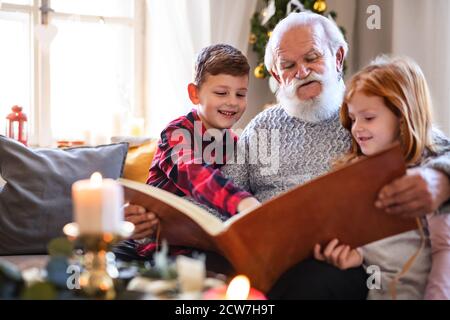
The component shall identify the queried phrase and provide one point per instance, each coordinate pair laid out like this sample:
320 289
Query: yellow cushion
138 161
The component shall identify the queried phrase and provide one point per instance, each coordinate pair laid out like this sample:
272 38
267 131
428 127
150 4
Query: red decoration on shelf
16 125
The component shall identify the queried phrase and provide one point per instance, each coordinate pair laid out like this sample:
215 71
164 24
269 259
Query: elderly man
305 55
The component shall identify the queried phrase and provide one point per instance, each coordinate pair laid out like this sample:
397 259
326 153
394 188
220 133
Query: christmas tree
263 22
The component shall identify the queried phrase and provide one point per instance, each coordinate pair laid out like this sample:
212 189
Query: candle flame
238 289
96 180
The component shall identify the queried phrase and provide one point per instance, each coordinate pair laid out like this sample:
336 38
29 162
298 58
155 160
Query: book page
203 218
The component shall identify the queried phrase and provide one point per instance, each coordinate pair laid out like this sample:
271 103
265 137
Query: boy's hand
248 204
145 223
341 256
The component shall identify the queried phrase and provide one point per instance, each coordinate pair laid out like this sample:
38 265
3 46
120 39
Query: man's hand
420 191
340 256
145 223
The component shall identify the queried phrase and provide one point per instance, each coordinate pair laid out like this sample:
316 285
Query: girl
388 102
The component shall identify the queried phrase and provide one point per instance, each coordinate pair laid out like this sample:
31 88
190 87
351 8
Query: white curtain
176 31
421 30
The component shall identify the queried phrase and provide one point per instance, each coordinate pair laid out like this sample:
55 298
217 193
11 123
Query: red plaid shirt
179 165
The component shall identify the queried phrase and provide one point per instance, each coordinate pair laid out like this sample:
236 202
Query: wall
259 93
421 30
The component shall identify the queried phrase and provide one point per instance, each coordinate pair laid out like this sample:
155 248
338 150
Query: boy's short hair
220 59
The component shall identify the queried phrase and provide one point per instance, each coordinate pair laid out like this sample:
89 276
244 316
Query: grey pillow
36 202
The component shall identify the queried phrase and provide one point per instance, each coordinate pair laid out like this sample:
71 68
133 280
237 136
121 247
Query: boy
181 165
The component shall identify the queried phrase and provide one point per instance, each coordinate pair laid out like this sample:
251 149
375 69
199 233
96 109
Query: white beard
317 109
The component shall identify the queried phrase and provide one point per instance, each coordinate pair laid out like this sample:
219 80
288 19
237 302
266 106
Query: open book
265 242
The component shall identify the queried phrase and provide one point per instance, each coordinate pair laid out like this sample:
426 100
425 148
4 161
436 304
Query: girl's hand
340 256
145 223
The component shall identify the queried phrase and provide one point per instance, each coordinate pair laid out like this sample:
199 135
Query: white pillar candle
191 273
97 204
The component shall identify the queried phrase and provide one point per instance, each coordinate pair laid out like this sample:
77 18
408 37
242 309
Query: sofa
35 189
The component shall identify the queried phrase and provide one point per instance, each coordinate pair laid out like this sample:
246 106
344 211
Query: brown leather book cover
267 241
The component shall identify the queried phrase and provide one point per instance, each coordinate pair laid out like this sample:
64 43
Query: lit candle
238 289
97 204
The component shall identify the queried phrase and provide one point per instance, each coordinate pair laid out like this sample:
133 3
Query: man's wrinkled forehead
300 39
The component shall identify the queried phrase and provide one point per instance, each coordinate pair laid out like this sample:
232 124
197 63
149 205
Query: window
77 76
16 57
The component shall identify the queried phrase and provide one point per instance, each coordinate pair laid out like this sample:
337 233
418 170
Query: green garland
260 33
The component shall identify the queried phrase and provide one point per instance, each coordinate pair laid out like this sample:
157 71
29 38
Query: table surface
27 261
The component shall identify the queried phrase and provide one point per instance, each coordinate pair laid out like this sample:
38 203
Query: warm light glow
96 180
238 289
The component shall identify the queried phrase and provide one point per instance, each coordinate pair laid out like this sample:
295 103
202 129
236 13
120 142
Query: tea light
191 273
238 289
98 205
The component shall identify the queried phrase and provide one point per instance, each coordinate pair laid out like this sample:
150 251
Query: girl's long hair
403 87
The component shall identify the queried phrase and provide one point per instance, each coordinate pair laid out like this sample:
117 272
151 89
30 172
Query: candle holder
99 268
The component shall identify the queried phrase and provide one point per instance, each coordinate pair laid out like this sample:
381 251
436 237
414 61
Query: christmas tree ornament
252 38
259 71
268 12
45 34
294 6
320 6
269 33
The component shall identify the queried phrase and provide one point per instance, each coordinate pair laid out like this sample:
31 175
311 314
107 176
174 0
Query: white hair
296 19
